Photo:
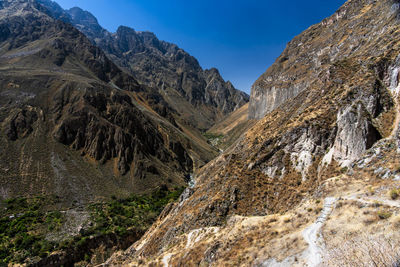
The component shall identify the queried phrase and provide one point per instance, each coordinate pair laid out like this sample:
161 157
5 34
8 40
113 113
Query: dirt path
373 200
166 260
311 235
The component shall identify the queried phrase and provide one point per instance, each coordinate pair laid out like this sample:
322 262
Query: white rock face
354 136
394 77
197 235
270 171
265 100
301 154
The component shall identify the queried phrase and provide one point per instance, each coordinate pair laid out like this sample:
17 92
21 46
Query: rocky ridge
328 111
176 75
72 123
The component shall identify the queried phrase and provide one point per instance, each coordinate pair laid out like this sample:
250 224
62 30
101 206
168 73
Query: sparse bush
371 191
286 220
318 210
272 220
394 194
377 204
364 251
383 215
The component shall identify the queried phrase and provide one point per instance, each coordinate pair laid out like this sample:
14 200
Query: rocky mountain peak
84 16
125 30
212 71
55 10
162 65
85 20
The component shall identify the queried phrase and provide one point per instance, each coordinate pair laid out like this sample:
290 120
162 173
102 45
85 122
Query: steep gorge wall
338 99
308 56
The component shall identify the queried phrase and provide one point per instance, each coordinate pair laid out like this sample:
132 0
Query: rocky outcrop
110 126
326 101
221 94
20 124
356 133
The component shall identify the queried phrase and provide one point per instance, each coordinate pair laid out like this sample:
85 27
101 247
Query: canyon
304 172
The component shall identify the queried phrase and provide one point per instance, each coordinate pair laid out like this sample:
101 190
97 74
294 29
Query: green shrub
394 194
383 215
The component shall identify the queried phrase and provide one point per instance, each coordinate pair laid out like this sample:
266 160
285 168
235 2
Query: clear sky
241 38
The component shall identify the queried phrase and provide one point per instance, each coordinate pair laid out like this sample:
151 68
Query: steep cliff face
73 124
329 100
308 57
175 74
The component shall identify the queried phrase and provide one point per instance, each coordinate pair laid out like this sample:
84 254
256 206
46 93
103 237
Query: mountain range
111 126
69 111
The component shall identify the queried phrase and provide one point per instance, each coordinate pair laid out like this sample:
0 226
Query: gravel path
311 235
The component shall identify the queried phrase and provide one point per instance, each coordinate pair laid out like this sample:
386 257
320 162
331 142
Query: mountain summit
201 97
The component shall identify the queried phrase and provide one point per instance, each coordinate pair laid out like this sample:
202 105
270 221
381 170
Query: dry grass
365 251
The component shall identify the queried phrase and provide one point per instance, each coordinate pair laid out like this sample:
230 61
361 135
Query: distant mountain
72 123
200 96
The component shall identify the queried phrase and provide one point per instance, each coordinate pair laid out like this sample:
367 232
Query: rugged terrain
200 97
73 123
320 167
83 143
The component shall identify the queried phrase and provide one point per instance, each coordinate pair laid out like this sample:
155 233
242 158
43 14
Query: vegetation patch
383 215
26 223
214 139
394 194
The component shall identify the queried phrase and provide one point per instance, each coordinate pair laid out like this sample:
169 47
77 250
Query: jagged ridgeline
74 124
328 127
200 97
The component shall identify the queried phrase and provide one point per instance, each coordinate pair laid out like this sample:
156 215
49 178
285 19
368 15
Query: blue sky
241 38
